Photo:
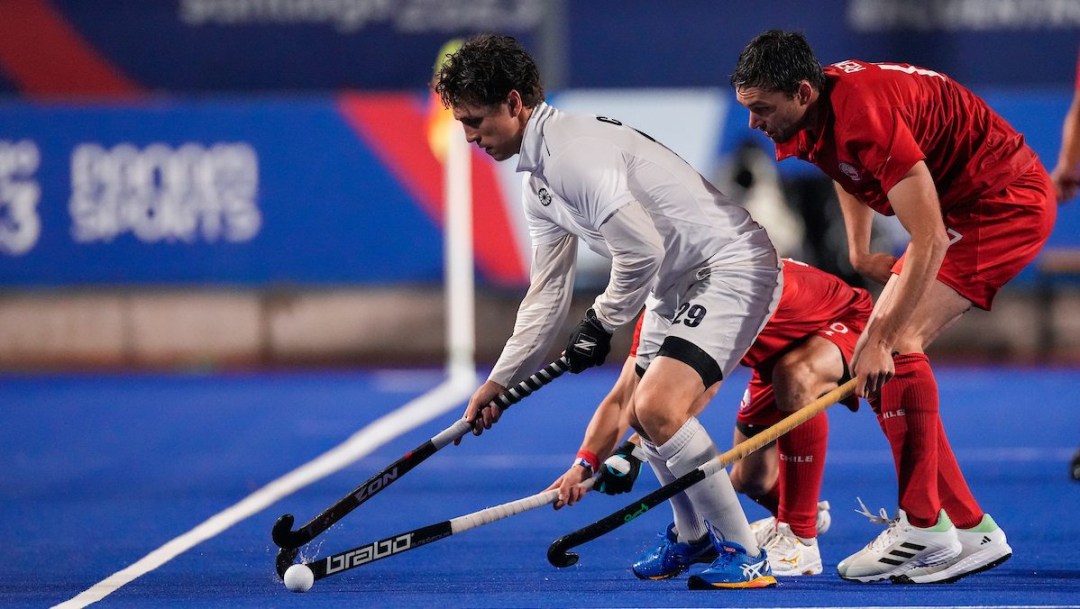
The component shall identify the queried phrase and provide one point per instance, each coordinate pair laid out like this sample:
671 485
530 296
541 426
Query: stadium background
221 258
203 183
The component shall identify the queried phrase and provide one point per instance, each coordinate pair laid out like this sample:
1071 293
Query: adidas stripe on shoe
982 547
901 548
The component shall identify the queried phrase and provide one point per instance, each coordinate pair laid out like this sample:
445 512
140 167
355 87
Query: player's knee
795 384
745 484
651 416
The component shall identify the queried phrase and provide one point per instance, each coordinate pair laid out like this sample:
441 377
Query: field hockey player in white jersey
706 273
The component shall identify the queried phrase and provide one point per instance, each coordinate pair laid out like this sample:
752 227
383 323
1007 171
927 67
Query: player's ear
804 93
514 103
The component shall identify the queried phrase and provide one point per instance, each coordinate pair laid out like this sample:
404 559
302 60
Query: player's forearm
891 316
1069 154
610 421
541 313
915 201
858 224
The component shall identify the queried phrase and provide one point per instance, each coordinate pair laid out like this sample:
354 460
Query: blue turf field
99 471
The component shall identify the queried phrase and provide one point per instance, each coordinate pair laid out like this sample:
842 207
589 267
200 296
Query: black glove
589 344
619 471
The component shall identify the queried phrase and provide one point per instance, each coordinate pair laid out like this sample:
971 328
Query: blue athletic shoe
672 557
733 568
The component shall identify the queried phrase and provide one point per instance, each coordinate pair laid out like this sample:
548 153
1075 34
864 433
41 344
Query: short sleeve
881 140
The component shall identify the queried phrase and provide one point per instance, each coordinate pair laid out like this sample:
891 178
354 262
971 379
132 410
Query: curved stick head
282 531
559 557
285 558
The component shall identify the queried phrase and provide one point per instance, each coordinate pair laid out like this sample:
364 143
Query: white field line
453 391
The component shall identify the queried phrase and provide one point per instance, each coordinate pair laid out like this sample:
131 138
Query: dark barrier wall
182 46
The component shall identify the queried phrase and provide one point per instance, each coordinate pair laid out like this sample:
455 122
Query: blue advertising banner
225 191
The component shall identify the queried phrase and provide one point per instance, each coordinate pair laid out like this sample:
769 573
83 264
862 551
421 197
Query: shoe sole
904 579
656 578
867 580
933 558
697 583
703 559
808 571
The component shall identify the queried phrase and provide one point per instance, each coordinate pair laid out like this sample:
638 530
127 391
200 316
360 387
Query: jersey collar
532 142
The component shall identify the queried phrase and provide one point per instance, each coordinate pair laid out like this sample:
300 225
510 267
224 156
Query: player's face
497 129
775 113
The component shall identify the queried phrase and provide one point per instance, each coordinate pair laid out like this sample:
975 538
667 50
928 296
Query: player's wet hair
777 61
484 71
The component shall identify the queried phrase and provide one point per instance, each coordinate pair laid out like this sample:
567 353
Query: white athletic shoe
983 547
902 548
791 555
765 528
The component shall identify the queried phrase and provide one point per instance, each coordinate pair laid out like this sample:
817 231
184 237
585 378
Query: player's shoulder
574 133
856 87
854 78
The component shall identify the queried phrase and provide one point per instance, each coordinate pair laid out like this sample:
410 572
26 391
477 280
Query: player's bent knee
747 485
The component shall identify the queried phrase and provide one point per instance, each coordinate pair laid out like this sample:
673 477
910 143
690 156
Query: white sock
713 498
688 524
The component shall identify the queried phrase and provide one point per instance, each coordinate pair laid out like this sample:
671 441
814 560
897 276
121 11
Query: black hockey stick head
285 559
559 557
283 534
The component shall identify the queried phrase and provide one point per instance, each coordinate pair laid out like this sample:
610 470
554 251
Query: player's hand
480 411
589 344
1066 182
619 471
570 491
874 365
876 266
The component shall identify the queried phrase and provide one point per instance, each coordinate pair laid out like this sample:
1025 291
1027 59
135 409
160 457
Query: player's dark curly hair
484 71
777 61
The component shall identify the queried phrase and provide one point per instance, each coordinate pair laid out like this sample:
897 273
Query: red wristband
590 458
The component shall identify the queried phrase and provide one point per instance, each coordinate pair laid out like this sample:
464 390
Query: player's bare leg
786 477
933 496
676 443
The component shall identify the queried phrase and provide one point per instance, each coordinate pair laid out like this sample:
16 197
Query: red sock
909 416
956 497
802 465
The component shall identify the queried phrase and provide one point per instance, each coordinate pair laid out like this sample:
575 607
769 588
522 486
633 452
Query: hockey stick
289 540
397 544
558 554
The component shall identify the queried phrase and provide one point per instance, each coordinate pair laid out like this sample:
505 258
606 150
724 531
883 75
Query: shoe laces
782 545
882 517
766 535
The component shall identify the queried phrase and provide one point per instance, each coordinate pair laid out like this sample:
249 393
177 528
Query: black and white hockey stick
397 544
289 540
558 554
